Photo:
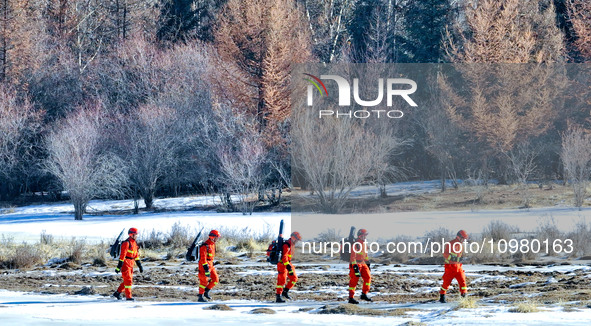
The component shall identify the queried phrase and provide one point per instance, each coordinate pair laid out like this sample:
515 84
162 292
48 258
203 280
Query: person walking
285 269
208 276
129 256
452 252
359 267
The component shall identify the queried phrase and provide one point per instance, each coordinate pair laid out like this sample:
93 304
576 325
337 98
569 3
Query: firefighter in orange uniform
285 268
359 266
129 256
206 266
452 252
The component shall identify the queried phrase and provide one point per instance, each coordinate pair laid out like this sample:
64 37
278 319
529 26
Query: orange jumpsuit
359 259
206 256
286 255
129 254
453 267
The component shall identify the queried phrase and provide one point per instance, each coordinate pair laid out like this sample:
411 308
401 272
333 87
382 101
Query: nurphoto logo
392 89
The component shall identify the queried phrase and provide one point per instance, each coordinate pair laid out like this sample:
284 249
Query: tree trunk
229 202
443 170
148 198
136 204
3 190
78 210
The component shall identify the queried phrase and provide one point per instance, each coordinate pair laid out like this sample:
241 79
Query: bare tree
21 34
576 159
442 142
20 124
236 157
579 15
336 155
522 159
521 98
150 148
242 168
327 22
76 159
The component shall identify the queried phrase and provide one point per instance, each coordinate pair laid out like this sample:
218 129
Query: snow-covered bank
416 224
27 223
35 309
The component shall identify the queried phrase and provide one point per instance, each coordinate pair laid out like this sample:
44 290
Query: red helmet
215 233
296 235
462 234
132 231
362 232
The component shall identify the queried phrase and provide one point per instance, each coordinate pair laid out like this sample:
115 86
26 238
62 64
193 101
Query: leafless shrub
76 159
152 240
336 155
498 230
329 235
7 241
242 170
580 237
179 236
46 239
24 256
150 149
522 160
98 254
548 230
20 124
241 155
576 159
76 251
477 179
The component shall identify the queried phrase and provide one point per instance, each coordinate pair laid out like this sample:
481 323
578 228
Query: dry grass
7 210
400 312
222 307
21 256
465 198
349 309
76 251
153 246
525 307
467 303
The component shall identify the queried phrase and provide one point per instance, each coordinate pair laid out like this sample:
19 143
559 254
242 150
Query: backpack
115 249
346 249
273 253
193 251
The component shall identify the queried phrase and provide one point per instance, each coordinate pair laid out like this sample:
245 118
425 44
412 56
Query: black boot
463 295
130 299
206 294
364 297
201 298
278 299
117 295
285 294
353 301
442 298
